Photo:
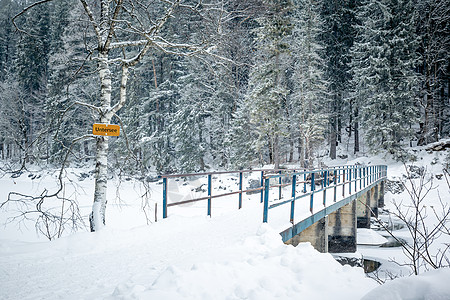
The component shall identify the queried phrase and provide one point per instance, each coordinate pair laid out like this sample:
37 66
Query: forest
220 84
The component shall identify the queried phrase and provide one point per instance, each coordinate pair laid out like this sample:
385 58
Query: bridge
321 206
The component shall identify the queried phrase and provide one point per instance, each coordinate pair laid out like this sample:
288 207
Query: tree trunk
333 135
97 217
356 128
333 140
276 152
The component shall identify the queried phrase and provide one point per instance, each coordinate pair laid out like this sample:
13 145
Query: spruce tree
384 81
267 83
308 101
338 34
434 67
32 59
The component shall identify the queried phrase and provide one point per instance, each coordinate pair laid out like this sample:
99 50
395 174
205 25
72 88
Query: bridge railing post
240 190
279 188
373 174
164 197
335 184
262 184
324 187
350 168
313 187
266 199
209 195
304 181
343 182
361 175
294 183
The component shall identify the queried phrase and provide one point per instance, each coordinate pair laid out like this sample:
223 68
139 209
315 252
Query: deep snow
189 255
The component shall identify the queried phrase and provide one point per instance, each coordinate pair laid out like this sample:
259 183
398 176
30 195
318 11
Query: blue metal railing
330 178
210 196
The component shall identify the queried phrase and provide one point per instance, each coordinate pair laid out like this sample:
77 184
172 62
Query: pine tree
241 138
71 79
32 60
308 101
384 81
434 55
231 119
8 40
267 84
338 35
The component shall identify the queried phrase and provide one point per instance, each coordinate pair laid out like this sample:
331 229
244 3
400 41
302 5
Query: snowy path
186 256
231 256
100 262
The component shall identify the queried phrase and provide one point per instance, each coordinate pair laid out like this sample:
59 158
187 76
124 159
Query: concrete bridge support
336 233
342 229
381 194
362 211
367 205
316 234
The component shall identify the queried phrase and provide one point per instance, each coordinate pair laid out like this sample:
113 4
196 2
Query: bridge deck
289 208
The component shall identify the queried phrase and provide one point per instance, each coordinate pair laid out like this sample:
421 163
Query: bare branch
24 11
88 11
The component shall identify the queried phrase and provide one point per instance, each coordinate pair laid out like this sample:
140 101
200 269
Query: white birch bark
144 33
97 217
104 29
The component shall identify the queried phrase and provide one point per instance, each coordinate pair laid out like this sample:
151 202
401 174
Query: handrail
210 196
338 177
365 175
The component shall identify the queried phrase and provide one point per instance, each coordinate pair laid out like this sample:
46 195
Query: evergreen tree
338 35
434 55
267 84
384 81
308 101
8 40
241 138
71 79
33 50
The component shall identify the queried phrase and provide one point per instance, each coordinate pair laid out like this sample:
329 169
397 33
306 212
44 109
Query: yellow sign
106 129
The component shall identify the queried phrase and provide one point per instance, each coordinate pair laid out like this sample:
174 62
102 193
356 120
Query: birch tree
124 32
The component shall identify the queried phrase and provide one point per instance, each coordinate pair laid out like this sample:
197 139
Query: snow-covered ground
189 255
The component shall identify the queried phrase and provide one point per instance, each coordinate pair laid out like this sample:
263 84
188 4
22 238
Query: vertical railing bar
304 182
322 182
262 185
360 178
349 174
209 195
266 199
366 177
313 187
343 182
325 174
164 197
335 185
294 183
240 189
371 174
279 188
